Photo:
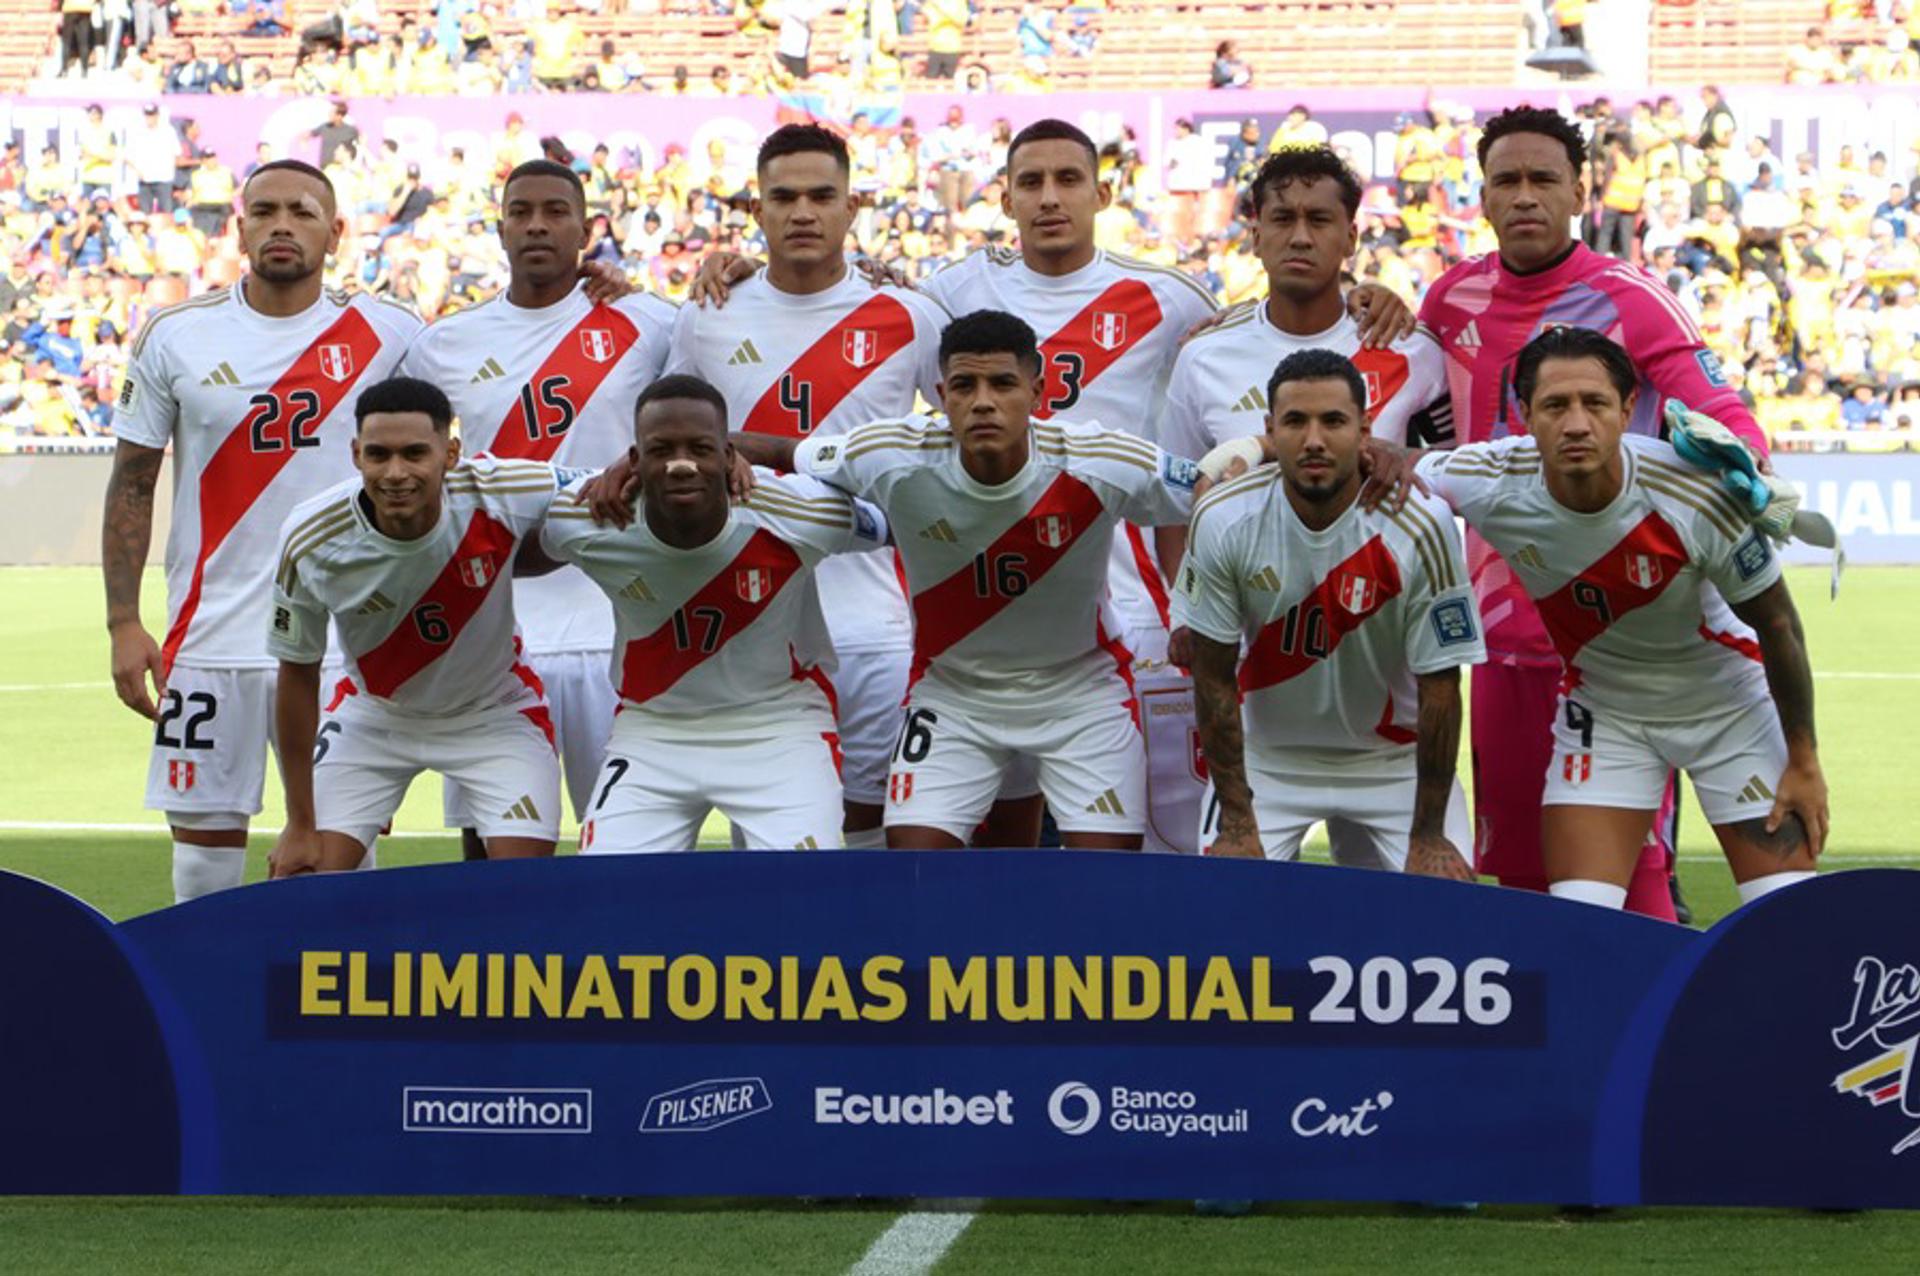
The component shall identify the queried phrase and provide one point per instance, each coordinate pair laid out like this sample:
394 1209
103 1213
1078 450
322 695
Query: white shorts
951 763
581 699
870 686
365 758
654 795
1369 821
1734 758
210 744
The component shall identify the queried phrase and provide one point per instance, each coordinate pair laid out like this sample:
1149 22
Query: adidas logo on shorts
524 809
1757 790
1107 803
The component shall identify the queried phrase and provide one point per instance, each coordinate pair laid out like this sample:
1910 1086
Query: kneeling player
1355 623
720 653
410 562
1004 525
1634 558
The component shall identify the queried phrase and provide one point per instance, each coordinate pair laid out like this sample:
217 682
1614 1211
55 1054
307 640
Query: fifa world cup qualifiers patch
1179 472
1189 581
864 524
1710 367
1453 622
128 392
1753 555
825 452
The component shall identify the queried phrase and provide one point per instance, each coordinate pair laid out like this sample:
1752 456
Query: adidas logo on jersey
1757 790
488 371
1254 400
744 354
222 375
1530 556
1266 578
524 809
1469 338
374 605
1107 803
636 590
939 530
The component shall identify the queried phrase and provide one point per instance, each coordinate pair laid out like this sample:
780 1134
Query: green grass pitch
70 813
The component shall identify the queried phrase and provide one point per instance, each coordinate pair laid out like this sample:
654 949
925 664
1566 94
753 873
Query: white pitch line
917 1241
1867 677
22 687
65 826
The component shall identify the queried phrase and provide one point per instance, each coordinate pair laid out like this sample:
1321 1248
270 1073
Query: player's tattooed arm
1436 752
1216 701
1802 791
125 535
296 720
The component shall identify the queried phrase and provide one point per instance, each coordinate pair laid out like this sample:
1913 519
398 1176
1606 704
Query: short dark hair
681 385
1051 130
544 168
1572 343
803 139
1292 164
291 166
990 332
404 394
1534 119
1319 365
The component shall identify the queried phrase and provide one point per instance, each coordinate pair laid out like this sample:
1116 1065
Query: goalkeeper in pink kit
1483 312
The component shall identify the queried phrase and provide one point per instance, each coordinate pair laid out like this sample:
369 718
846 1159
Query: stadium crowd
1804 276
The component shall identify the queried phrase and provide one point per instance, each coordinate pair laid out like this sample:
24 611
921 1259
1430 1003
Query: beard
283 271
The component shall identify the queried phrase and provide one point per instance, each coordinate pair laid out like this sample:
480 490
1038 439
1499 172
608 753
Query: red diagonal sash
1384 372
1095 339
715 615
945 613
484 554
1622 580
572 371
1354 590
245 465
832 368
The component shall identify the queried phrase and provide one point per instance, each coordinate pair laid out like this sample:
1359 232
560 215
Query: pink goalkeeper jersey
1483 314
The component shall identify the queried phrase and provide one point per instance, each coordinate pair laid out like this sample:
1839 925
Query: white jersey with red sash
259 411
712 641
799 365
427 624
1108 333
1624 591
1336 623
1008 581
554 384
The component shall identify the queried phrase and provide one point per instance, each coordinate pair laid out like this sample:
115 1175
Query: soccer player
409 560
542 372
1004 523
1680 644
723 703
1484 311
1346 705
809 348
253 386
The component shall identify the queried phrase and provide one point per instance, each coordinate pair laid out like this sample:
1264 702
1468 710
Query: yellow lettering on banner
1264 1011
748 980
1219 993
359 1005
402 985
879 976
695 972
947 995
789 989
643 969
496 985
830 991
542 983
1035 1005
594 991
1176 988
1130 1002
1082 991
316 978
439 990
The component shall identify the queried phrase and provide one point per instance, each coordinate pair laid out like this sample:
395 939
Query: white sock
1750 891
202 870
1603 894
873 839
368 862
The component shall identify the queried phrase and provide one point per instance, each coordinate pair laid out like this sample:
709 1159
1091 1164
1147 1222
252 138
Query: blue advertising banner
1874 502
1010 1024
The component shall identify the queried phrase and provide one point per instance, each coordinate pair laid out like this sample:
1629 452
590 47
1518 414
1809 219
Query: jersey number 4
300 410
546 393
796 396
